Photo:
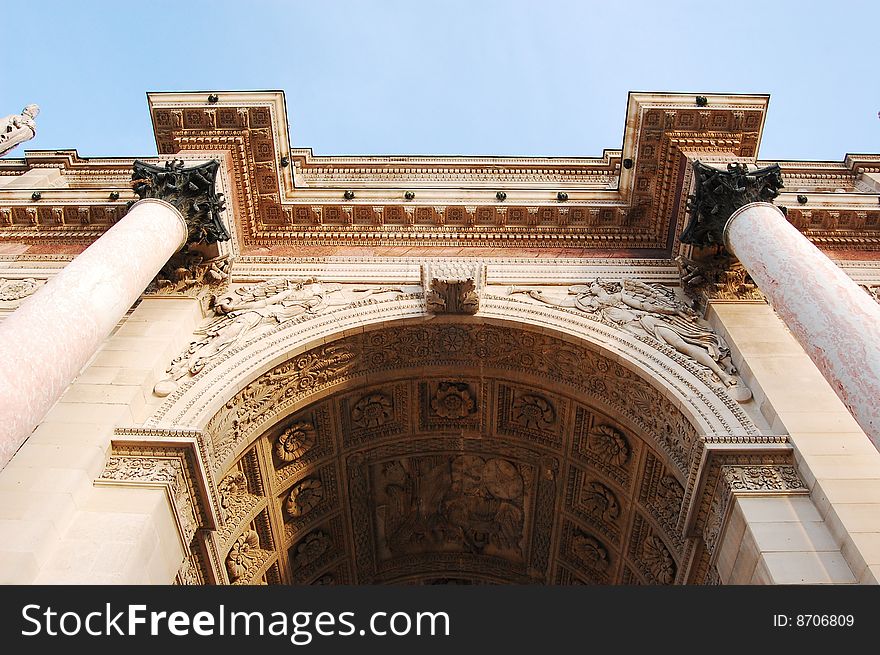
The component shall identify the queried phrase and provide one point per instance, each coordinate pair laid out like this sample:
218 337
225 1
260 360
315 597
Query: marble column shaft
832 318
46 342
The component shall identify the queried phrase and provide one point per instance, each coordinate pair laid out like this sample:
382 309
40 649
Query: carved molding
173 461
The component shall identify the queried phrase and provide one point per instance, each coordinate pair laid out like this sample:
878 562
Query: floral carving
243 555
453 400
233 484
231 489
600 501
295 441
609 444
590 550
311 548
763 478
452 297
658 560
17 289
533 411
304 497
373 410
669 498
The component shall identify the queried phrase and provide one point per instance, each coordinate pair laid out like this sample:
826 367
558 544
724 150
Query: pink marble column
832 318
46 341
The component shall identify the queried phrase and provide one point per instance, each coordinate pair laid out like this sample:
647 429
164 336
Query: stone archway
466 452
460 449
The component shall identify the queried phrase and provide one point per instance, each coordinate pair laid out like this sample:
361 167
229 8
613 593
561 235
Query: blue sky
490 77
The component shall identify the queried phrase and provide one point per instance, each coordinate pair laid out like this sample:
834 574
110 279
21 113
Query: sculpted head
224 304
31 111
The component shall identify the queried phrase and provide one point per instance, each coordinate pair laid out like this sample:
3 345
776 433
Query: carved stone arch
266 410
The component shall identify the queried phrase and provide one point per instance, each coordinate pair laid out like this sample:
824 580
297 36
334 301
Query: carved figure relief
650 312
716 277
873 290
188 272
441 503
18 128
251 311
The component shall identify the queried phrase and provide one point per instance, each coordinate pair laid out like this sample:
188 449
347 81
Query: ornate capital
718 194
191 190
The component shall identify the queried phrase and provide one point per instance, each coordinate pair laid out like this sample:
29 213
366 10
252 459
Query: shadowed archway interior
457 453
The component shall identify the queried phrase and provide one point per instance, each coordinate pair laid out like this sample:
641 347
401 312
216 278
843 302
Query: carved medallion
295 441
609 445
243 555
373 410
304 497
453 400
